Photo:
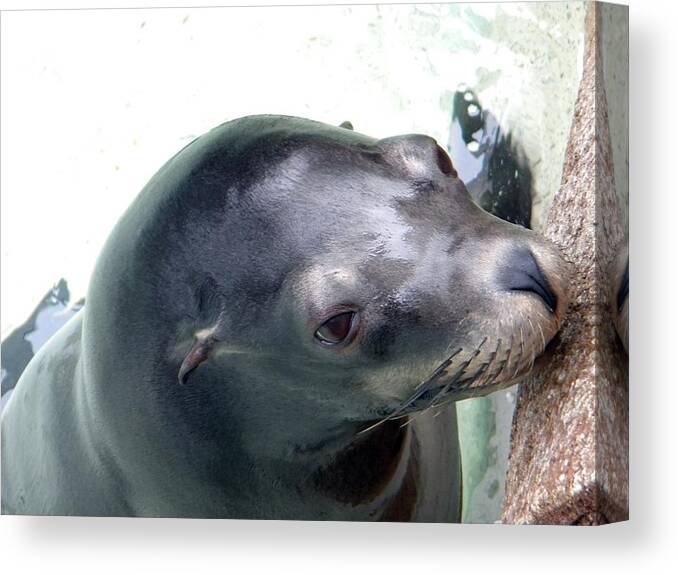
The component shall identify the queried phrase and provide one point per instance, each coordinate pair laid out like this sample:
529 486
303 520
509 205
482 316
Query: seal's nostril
521 272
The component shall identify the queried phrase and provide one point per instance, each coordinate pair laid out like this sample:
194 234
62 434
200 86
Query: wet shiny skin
219 276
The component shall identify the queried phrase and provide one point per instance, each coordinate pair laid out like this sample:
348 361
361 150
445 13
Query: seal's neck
361 470
376 471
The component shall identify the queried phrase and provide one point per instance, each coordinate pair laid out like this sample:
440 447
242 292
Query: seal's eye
337 329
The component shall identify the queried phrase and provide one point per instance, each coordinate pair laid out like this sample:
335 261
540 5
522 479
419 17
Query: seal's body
63 462
276 328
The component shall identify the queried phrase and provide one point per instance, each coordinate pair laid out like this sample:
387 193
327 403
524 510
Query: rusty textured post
569 452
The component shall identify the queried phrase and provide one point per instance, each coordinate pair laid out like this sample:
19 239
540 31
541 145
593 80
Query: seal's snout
521 272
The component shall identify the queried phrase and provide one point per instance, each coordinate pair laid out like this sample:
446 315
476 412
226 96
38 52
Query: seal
278 327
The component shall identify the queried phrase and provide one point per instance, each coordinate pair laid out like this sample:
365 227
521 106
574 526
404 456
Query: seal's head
331 277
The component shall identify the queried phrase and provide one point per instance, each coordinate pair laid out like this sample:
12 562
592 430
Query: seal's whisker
442 367
530 322
408 422
457 376
507 361
484 370
455 379
502 365
444 403
377 424
543 340
414 416
493 357
469 381
534 351
424 386
427 408
395 417
522 348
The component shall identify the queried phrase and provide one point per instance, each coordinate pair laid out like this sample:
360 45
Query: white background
646 544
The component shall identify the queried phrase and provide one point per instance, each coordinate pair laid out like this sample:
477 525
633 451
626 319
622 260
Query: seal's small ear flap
200 352
346 125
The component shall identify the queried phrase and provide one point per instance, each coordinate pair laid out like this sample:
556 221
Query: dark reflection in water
53 311
491 165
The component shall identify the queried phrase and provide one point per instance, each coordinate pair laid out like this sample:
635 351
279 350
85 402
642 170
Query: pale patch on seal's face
375 286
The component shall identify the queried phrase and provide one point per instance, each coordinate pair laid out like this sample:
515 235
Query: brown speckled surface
569 453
